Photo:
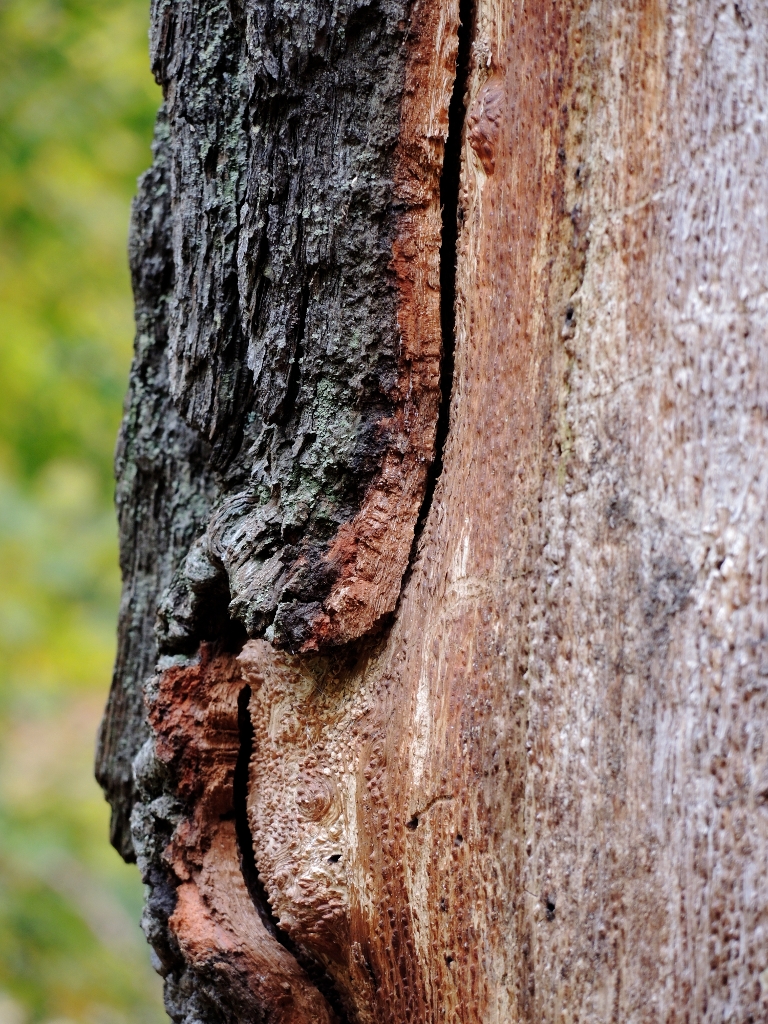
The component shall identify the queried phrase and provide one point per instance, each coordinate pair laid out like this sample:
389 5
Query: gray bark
267 336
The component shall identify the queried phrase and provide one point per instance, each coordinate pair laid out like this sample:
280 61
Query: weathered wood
238 966
540 791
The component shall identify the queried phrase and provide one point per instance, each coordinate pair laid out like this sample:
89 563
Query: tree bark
442 675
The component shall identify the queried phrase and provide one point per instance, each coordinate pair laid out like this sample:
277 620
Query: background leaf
77 104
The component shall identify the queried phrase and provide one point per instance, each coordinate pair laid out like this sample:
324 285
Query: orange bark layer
194 718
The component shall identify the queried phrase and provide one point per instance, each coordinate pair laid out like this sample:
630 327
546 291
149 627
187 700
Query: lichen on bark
284 347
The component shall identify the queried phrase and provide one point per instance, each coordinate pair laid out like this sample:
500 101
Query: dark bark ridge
283 339
163 495
283 403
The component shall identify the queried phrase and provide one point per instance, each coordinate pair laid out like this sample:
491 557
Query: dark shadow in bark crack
450 184
256 889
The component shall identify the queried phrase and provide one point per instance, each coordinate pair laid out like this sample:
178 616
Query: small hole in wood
334 858
413 824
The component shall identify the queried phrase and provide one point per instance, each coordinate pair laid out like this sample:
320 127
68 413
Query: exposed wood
237 962
541 793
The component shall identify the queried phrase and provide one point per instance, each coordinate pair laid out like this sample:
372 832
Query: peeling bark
239 966
481 742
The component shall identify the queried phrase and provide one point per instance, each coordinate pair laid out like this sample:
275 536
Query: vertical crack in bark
450 184
253 883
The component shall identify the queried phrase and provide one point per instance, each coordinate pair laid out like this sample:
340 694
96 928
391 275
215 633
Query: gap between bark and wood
253 883
450 181
450 185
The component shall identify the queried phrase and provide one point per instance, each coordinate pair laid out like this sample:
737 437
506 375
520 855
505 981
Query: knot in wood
484 123
317 799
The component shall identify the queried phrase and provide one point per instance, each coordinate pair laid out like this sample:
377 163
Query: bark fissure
250 870
294 373
450 185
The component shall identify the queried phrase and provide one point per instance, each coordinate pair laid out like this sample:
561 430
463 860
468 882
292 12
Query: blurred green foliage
77 104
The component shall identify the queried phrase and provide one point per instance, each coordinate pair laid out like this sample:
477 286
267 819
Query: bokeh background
77 104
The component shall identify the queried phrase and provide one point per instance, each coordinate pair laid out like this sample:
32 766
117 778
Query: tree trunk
442 679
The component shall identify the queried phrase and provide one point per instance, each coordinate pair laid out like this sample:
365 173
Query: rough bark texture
291 340
539 790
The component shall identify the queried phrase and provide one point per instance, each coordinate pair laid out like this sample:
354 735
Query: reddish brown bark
194 719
